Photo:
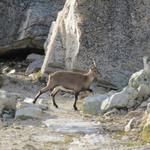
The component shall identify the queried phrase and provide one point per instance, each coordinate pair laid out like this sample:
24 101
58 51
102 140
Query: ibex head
94 71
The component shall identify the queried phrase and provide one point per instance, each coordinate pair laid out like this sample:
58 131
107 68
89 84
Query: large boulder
36 63
120 99
141 81
27 111
25 24
92 104
111 32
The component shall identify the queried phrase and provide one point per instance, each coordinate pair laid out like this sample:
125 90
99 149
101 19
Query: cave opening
20 54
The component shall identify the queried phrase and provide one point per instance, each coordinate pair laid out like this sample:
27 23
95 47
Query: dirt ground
62 128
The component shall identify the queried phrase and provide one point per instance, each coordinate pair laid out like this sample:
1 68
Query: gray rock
41 103
27 111
95 141
141 81
28 102
131 103
111 112
8 101
120 99
32 57
148 108
63 125
48 138
34 66
36 63
6 94
7 116
144 104
143 92
130 125
11 72
92 104
30 22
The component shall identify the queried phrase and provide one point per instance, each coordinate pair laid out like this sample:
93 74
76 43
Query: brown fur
72 81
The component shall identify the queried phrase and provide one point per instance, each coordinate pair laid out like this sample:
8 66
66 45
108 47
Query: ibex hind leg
53 94
43 90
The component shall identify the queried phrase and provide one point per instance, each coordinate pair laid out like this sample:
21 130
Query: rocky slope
62 128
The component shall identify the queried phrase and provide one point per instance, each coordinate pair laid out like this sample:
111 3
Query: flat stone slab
28 112
94 142
73 126
48 138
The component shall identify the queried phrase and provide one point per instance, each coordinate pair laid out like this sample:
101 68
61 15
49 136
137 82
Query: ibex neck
90 76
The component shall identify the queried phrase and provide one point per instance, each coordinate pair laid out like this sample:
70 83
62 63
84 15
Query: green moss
146 133
68 139
132 143
38 75
56 65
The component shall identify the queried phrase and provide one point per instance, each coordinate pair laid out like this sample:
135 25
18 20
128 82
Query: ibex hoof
34 102
75 108
56 106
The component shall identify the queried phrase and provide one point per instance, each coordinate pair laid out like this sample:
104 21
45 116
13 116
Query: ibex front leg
43 90
75 102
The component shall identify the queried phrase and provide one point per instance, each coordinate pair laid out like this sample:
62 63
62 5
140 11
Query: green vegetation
132 143
146 133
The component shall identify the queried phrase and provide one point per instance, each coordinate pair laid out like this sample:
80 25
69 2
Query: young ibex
72 81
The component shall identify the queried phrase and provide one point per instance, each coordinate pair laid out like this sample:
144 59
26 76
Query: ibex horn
94 62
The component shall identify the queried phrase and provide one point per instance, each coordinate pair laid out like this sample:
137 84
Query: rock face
92 104
25 24
114 33
141 81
